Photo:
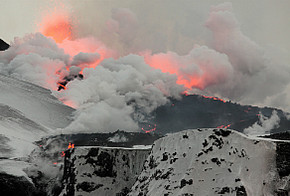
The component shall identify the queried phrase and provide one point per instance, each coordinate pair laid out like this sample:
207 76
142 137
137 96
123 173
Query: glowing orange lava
151 129
70 146
224 126
63 86
214 98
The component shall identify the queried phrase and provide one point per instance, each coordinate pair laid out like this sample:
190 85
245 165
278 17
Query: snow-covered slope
35 102
104 171
27 112
212 162
17 133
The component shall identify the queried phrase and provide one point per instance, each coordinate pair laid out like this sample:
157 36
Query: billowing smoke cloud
264 125
122 85
201 68
113 95
36 59
117 94
257 77
121 30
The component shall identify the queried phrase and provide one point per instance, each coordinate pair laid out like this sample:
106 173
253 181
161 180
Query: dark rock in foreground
15 186
102 171
192 162
3 45
214 162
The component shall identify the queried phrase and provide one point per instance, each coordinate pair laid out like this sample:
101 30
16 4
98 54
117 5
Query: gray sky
264 21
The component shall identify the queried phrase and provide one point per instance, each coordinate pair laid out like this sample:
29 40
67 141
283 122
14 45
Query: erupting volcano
101 89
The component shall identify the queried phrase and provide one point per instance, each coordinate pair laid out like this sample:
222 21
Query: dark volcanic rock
16 186
3 45
195 111
115 139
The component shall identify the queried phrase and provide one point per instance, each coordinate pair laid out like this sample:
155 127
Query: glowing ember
207 97
224 126
151 129
61 86
70 146
214 98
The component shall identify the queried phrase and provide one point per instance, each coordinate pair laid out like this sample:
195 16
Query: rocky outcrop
214 162
105 171
195 111
191 162
15 185
3 45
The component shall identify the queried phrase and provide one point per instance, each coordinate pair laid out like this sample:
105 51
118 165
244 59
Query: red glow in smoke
87 45
167 63
56 25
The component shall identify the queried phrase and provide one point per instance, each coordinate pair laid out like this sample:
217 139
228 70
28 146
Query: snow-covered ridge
213 162
35 102
102 171
27 113
191 162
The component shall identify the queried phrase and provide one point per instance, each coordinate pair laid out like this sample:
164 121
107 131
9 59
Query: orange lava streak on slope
214 98
149 130
224 126
70 146
63 86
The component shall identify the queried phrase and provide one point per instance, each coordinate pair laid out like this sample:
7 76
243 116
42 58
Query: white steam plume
109 94
116 94
265 125
258 77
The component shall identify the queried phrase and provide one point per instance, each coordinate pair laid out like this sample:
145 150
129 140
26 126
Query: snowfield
210 162
27 112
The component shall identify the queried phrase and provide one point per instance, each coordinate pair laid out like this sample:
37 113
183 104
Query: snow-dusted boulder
105 171
214 162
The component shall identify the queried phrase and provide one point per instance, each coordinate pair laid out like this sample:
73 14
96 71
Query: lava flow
224 126
70 146
151 129
214 98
